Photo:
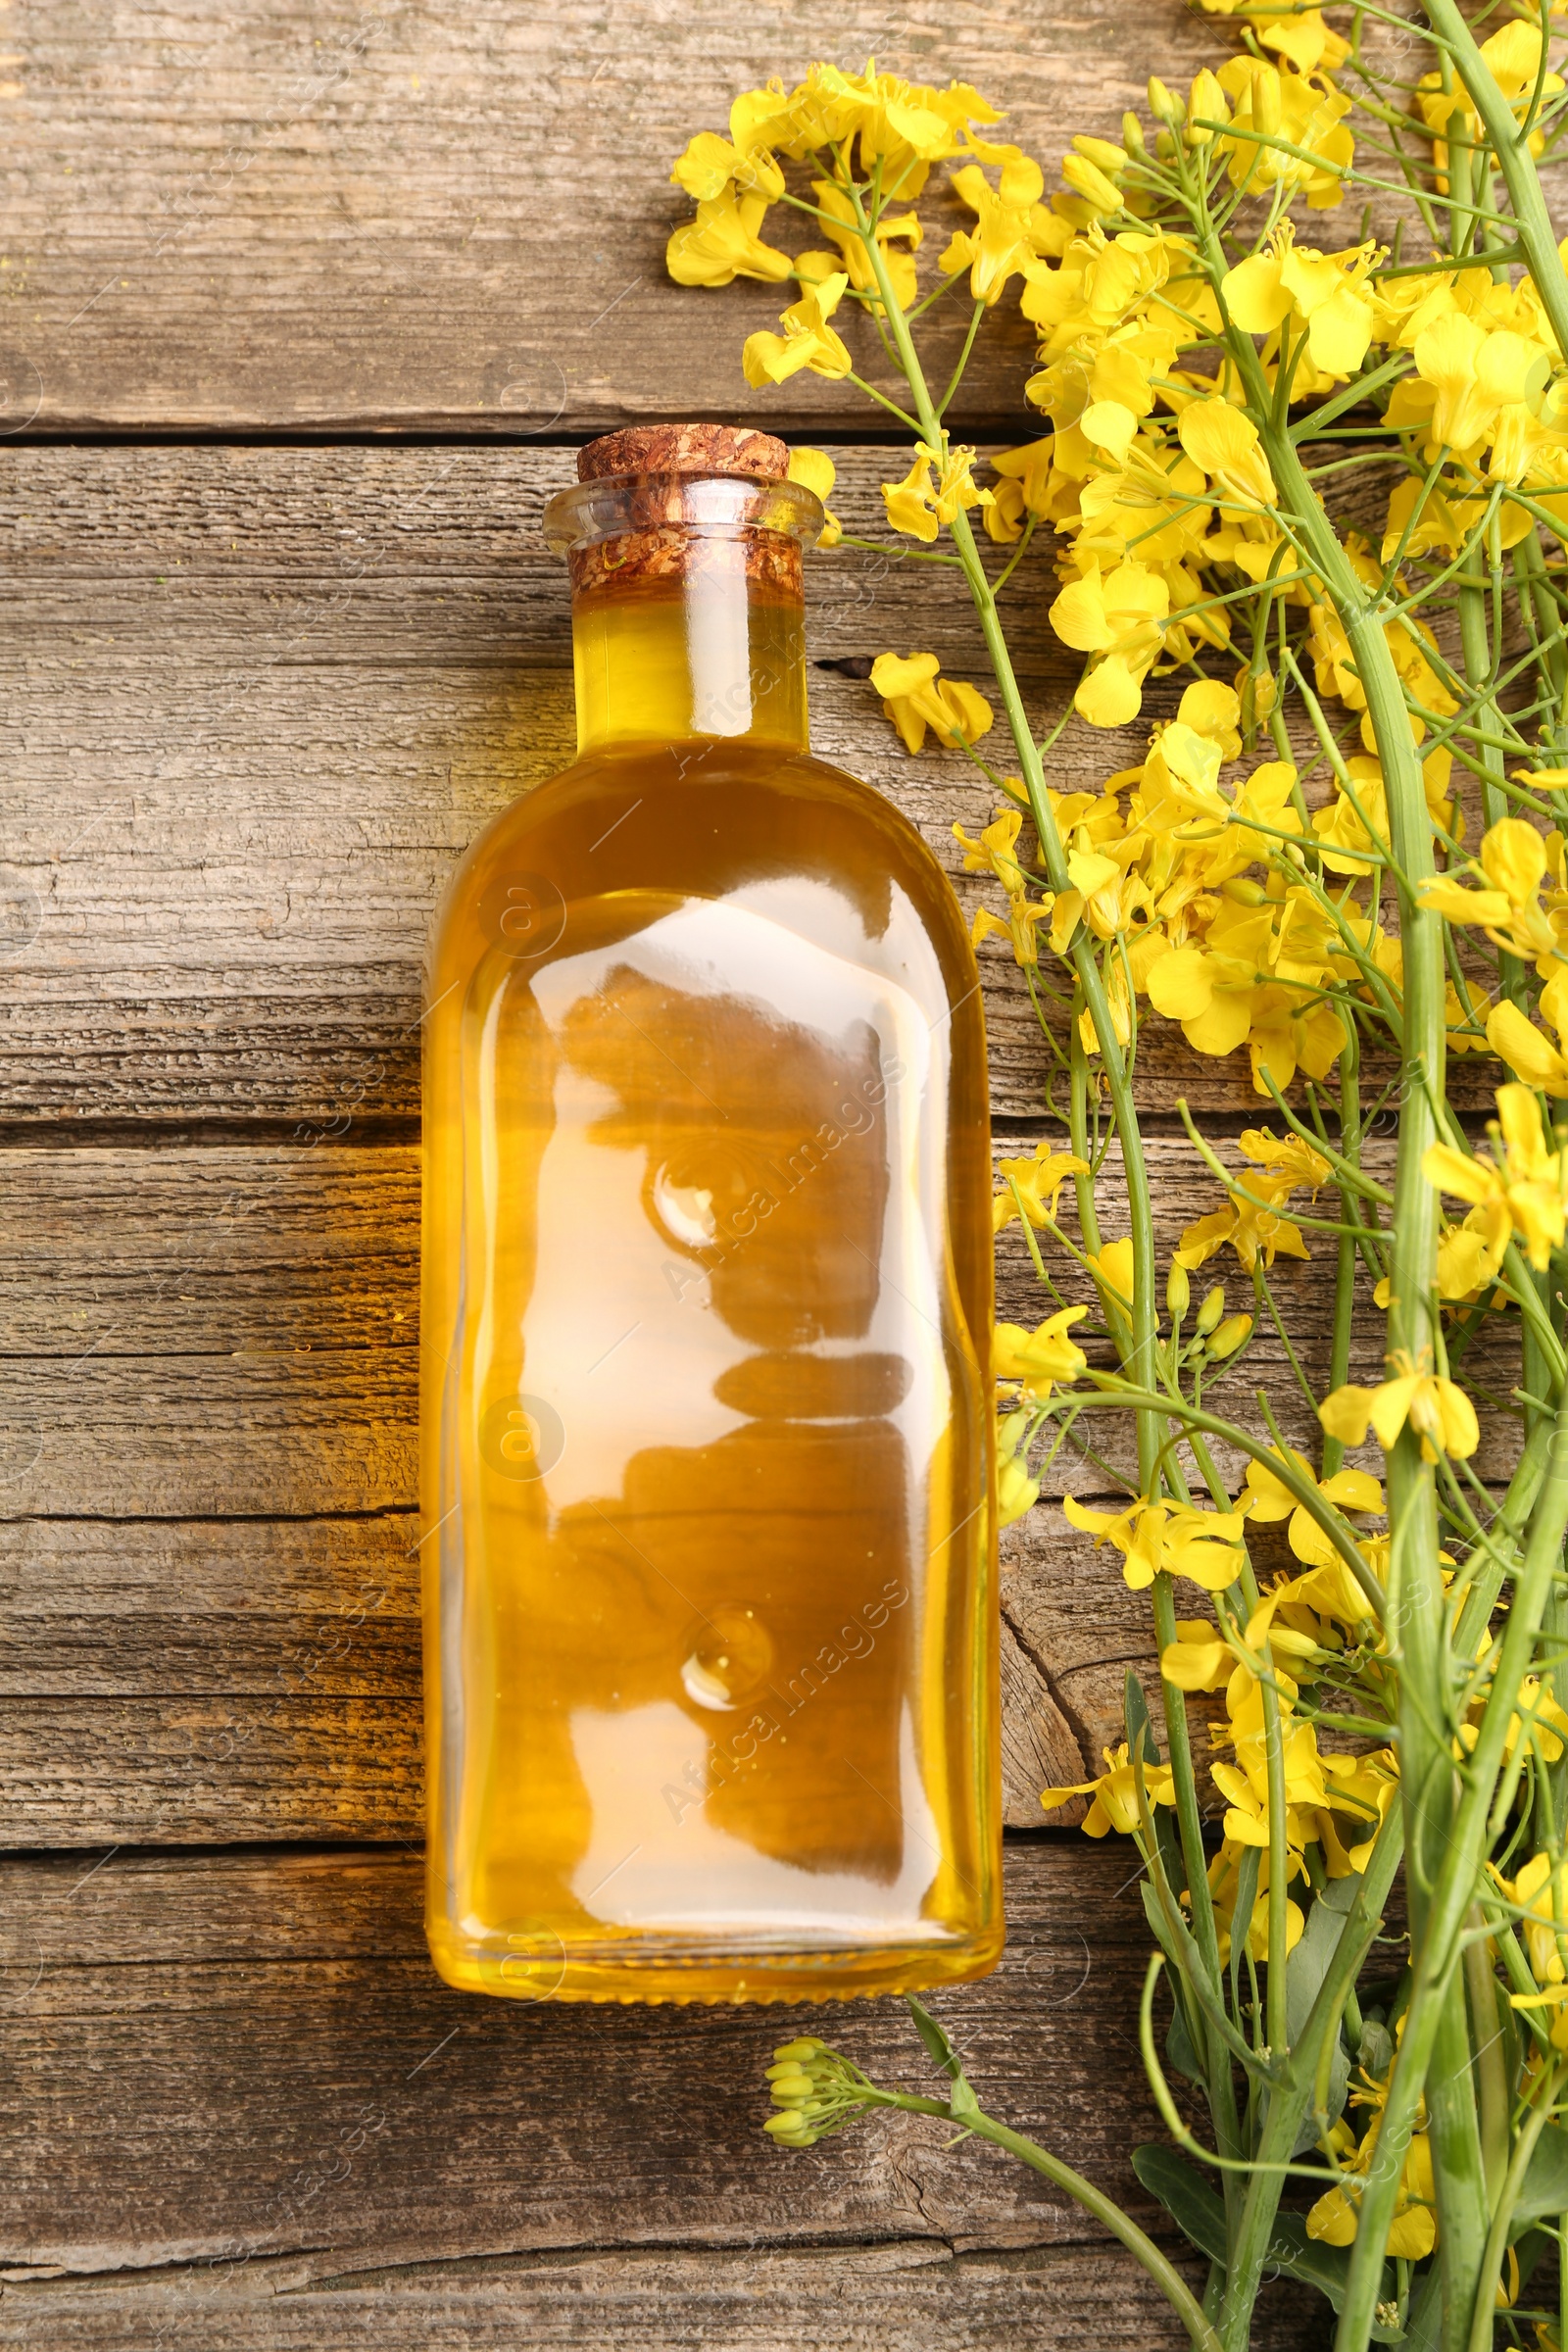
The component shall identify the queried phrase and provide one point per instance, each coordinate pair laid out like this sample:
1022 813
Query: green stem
1347 1253
1510 145
1288 2105
1474 639
1531 565
1104 2209
1140 1356
1449 1896
1481 1987
1416 1615
1482 2326
1459 2163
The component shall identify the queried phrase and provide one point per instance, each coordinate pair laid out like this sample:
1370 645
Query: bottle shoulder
710 819
682 777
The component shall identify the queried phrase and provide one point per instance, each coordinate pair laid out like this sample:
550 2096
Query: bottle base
659 1972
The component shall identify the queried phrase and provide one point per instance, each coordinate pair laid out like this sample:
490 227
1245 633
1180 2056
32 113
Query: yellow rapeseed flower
816 471
1008 230
1413 2231
1304 112
1501 892
1439 1412
1225 442
1251 1230
1038 1182
1039 1359
920 507
1525 1192
914 698
1116 616
1206 1546
1513 57
1270 1499
898 234
1326 295
808 340
1115 1794
1530 1055
722 244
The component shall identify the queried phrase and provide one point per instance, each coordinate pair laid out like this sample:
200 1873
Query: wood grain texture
209 1613
907 2295
229 2059
308 213
215 1333
257 701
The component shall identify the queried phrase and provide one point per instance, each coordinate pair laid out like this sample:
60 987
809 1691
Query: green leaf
961 2101
933 2036
1305 1972
1544 2187
1200 2212
1135 1707
1188 2200
1180 2052
1530 2251
964 2106
1241 1912
1158 1927
1327 2268
1376 2053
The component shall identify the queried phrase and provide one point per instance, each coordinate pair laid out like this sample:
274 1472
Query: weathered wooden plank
898 2296
256 1607
211 2060
335 216
257 703
192 1680
210 1332
84 1771
209 1562
297 1755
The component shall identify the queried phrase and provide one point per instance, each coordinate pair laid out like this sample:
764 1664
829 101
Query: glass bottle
711 1643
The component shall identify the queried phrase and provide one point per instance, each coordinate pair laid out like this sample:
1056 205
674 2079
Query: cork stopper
675 504
684 448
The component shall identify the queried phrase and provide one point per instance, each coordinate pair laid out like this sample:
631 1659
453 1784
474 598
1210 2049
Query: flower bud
1087 182
790 2131
1266 111
1132 134
1206 104
1101 152
1230 1336
789 2082
1256 692
1178 1293
1209 1314
815 2090
1163 104
1016 1491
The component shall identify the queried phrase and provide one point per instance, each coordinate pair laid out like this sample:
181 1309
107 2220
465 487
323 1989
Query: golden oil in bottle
710 1642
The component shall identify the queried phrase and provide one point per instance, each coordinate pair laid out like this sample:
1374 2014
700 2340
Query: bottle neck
711 647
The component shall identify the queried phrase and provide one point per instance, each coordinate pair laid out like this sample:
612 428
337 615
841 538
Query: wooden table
302 307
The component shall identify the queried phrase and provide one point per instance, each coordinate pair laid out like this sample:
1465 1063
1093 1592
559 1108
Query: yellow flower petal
1346 1414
